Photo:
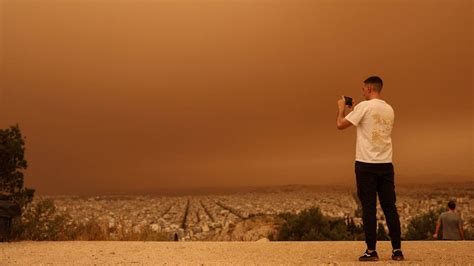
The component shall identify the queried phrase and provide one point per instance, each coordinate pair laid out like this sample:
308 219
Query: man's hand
438 226
341 122
341 104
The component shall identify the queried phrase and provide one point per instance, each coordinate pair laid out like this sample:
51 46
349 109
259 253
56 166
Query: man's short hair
376 82
452 205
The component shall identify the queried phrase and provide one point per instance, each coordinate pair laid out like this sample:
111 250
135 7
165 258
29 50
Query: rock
263 240
256 228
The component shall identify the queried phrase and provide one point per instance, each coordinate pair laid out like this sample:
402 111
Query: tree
12 162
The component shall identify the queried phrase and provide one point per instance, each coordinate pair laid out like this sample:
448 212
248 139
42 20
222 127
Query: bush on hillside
422 226
311 225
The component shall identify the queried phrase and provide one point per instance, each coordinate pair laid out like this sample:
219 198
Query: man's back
451 221
374 120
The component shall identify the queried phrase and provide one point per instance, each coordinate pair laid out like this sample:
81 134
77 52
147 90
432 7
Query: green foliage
310 225
12 162
422 226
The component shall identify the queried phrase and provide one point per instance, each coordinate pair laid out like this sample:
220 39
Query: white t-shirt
374 121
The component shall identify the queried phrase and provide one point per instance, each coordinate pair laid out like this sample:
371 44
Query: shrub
42 221
356 231
311 224
422 227
90 230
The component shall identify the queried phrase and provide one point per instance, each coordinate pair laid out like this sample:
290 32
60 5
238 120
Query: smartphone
348 101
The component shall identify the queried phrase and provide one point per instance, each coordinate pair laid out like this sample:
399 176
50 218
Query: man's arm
341 122
438 224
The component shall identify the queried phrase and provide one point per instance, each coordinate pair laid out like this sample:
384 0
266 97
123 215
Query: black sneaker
397 254
372 256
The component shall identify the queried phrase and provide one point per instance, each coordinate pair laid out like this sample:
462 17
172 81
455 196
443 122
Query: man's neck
375 96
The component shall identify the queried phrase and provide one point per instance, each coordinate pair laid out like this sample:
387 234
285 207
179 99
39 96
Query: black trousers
373 179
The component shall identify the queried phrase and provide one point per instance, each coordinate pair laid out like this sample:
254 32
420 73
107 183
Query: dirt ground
229 253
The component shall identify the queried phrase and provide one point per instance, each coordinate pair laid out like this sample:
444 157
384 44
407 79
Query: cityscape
229 216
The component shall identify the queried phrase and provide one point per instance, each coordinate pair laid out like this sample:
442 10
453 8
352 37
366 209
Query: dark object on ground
8 210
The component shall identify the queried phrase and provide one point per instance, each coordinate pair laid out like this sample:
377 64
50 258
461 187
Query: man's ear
370 88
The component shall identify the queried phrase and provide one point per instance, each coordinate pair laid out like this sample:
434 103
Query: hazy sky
123 96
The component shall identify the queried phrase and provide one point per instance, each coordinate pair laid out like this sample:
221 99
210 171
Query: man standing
451 223
374 171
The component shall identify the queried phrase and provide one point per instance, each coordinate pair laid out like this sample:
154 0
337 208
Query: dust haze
123 96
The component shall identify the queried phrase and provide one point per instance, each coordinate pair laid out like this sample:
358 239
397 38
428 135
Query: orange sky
126 96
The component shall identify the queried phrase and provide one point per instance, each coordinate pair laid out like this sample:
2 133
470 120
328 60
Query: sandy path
307 253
